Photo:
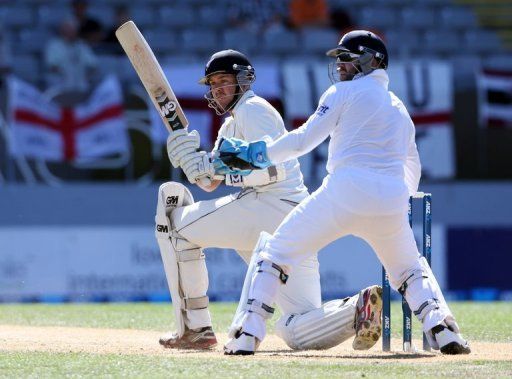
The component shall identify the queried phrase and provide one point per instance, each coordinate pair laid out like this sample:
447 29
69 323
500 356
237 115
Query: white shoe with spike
241 344
447 336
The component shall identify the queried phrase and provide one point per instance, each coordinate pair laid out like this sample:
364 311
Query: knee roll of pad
180 243
172 195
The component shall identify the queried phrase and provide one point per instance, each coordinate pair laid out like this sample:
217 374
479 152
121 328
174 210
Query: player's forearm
298 142
262 177
260 154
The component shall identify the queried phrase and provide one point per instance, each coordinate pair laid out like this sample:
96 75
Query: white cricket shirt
369 127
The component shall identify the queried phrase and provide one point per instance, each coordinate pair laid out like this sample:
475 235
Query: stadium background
76 209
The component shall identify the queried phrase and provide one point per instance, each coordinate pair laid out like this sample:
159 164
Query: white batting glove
181 143
197 165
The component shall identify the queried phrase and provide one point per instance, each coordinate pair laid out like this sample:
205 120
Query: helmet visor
345 57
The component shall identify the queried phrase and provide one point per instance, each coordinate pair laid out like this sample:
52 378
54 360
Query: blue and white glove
222 169
243 155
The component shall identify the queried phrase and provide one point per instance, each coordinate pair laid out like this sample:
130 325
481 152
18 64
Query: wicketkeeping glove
243 155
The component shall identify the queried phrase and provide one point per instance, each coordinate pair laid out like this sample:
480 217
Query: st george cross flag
40 128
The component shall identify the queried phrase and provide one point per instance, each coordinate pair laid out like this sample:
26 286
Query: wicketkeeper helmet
361 47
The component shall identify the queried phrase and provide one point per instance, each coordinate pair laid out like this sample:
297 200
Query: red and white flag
40 128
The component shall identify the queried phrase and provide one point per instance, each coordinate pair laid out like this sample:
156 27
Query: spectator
309 13
5 56
257 16
341 21
70 62
122 15
89 29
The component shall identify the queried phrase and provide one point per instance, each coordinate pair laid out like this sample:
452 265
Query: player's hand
197 165
237 153
222 169
180 143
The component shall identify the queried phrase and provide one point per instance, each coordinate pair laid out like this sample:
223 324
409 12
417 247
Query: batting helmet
229 62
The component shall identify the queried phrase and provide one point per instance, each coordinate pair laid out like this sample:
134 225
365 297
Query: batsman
185 227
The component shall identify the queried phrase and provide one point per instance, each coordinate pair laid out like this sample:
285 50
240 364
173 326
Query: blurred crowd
70 56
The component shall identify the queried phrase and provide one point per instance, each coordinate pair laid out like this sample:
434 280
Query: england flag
42 129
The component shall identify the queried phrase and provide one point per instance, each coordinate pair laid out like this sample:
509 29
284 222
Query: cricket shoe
448 338
368 322
195 339
241 344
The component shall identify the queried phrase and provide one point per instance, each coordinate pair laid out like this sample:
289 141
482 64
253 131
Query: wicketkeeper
373 167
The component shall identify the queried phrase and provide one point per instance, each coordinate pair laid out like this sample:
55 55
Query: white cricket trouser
349 201
235 222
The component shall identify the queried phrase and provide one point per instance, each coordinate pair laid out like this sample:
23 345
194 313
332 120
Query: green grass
18 365
479 321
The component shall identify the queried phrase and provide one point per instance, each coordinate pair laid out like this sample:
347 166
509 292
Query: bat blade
151 75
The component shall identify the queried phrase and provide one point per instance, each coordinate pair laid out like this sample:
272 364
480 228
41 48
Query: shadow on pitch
377 355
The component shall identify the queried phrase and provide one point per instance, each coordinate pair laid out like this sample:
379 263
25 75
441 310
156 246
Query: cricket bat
152 77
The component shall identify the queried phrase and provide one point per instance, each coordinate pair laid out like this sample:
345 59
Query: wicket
386 293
